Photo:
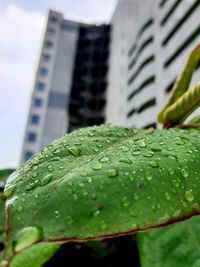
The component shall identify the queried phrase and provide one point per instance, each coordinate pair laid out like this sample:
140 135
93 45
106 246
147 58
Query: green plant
108 181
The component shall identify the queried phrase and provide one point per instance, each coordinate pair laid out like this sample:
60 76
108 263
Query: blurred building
70 83
121 74
150 43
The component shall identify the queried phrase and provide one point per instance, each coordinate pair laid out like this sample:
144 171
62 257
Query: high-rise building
70 83
122 73
150 43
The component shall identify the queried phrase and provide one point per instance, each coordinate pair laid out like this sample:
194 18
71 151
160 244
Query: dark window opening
162 3
142 47
131 112
144 84
141 67
35 119
170 86
147 105
170 12
151 125
182 47
40 86
37 102
28 155
32 137
140 32
180 22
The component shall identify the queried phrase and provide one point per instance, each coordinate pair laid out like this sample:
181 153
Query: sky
21 32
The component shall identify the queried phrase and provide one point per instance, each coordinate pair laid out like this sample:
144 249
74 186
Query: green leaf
195 121
179 111
3 176
182 83
177 245
103 182
35 255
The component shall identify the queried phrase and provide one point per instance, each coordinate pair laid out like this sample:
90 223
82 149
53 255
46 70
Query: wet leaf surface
103 182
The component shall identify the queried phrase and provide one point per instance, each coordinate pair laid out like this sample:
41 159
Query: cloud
21 35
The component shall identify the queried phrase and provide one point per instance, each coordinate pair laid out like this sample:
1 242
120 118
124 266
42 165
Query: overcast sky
21 31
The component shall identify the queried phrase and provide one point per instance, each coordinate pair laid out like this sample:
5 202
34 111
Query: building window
40 86
35 119
38 102
43 71
49 44
51 31
46 57
28 155
32 137
54 20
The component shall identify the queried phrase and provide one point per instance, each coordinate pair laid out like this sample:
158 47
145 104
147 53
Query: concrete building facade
150 43
120 74
70 83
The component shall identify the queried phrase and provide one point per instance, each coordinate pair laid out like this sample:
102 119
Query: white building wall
175 31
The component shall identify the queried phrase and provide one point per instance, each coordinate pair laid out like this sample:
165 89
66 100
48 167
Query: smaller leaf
35 255
182 82
175 245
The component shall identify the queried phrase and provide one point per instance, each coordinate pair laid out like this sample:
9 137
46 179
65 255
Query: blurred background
71 64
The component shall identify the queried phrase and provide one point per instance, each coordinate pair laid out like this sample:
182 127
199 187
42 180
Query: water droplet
70 220
136 196
96 212
134 225
156 149
46 179
177 213
104 159
61 168
75 197
177 182
141 143
153 164
81 184
75 151
20 208
167 196
154 207
34 174
184 204
171 171
125 160
97 166
30 186
179 142
125 202
112 173
9 191
133 212
55 159
189 196
27 237
125 148
50 168
184 173
83 173
103 225
96 150
148 154
164 218
89 180
136 153
57 213
94 196
85 193
148 177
